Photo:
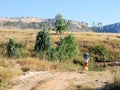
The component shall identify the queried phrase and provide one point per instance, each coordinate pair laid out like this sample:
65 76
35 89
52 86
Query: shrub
100 52
43 42
53 55
23 53
94 67
11 49
19 45
67 48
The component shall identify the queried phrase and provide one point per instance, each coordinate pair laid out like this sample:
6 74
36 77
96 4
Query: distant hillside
38 23
113 28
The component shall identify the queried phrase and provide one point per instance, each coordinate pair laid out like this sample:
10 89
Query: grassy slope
27 37
84 40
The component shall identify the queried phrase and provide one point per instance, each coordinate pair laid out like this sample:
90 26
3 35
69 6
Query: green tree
94 27
100 27
67 48
58 16
60 24
7 23
43 42
11 49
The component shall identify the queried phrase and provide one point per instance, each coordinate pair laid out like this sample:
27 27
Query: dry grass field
10 68
30 35
84 40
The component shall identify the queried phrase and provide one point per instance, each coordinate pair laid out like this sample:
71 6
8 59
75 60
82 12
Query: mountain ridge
38 23
112 28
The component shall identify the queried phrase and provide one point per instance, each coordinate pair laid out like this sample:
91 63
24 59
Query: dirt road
46 80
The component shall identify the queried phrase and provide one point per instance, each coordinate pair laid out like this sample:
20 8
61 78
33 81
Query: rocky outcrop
38 23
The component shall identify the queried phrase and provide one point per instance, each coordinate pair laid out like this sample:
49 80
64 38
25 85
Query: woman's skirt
86 66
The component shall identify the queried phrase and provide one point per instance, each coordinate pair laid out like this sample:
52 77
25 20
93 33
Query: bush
67 48
53 55
23 53
94 67
11 49
43 42
100 52
19 45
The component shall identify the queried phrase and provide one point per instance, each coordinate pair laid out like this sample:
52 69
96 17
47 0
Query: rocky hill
38 23
112 28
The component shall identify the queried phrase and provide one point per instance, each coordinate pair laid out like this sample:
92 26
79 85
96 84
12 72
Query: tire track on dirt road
60 81
28 81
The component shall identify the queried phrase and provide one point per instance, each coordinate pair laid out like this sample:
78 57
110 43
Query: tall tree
43 42
58 16
94 27
100 27
60 24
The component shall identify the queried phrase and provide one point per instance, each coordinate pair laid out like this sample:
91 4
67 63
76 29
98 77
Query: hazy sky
105 11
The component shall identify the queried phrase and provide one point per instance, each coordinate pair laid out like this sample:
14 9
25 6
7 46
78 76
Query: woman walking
86 59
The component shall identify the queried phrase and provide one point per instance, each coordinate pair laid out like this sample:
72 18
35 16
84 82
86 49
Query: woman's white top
86 60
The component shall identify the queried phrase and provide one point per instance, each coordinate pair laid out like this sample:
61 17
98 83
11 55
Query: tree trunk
44 55
60 34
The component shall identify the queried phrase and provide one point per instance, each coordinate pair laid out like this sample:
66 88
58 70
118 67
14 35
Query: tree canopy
60 24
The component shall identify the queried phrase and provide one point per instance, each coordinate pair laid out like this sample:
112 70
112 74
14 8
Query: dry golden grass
9 73
88 39
6 75
29 36
34 64
68 66
9 69
83 86
4 62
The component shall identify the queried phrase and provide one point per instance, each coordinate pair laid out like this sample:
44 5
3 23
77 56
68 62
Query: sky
104 11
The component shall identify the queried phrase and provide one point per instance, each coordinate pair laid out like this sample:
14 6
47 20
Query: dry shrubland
10 67
85 40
